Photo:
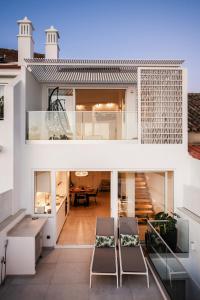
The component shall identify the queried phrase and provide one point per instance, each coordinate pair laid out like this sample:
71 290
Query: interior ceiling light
81 173
110 104
80 107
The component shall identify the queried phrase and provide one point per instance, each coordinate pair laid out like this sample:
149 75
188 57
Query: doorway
144 194
88 197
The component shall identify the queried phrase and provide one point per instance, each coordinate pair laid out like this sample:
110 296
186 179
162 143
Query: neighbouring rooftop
9 58
194 123
194 151
194 112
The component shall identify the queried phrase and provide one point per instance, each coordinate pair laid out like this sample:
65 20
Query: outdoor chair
131 257
104 257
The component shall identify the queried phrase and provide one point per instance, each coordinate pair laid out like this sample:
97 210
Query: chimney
51 47
25 40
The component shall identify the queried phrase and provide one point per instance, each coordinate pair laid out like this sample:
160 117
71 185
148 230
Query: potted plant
167 230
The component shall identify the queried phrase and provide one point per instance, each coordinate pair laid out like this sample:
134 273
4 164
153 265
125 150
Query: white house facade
120 121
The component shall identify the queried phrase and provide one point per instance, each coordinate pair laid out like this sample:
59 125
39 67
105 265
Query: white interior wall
156 184
62 184
130 193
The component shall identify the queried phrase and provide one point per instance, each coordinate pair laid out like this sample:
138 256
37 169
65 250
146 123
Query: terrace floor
63 274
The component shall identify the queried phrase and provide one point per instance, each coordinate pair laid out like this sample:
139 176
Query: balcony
81 125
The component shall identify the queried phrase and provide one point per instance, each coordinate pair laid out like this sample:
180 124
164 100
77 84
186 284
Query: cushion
129 240
104 241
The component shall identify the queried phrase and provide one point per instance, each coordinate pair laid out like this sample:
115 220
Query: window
42 197
1 102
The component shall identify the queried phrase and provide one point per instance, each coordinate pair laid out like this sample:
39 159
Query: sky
117 29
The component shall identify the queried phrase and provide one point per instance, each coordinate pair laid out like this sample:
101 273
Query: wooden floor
79 228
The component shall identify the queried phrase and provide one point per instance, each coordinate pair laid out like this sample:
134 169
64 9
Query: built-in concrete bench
12 220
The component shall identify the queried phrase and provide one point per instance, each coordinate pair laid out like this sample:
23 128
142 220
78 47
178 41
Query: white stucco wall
33 93
5 205
6 140
191 198
17 145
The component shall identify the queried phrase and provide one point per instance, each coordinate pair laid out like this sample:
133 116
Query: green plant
165 227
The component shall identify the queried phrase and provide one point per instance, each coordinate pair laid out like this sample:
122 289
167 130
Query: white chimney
25 40
51 47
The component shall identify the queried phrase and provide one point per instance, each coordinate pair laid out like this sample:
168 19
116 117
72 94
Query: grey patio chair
131 258
104 259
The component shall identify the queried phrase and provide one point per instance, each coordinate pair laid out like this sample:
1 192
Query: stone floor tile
25 292
68 292
71 273
44 274
50 256
75 255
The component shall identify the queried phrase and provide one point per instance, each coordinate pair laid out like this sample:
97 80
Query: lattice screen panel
161 106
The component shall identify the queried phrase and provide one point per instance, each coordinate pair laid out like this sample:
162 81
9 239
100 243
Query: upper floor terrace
143 101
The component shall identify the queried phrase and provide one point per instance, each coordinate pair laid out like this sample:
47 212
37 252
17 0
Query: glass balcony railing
175 278
81 125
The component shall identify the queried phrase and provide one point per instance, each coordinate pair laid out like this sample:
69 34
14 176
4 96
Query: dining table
78 191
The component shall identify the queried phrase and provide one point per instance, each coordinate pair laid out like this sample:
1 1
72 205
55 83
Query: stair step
140 183
142 200
142 187
144 212
143 205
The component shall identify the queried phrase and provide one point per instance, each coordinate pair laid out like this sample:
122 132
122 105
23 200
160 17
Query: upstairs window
1 102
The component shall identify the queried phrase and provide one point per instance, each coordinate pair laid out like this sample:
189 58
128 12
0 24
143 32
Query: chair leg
117 281
120 279
90 280
147 280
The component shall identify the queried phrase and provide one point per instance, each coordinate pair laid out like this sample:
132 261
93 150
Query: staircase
143 203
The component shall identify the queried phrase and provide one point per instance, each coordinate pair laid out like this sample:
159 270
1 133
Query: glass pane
126 195
173 275
42 192
80 125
